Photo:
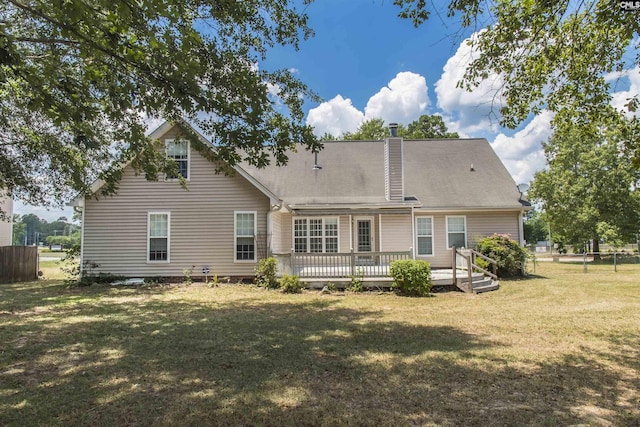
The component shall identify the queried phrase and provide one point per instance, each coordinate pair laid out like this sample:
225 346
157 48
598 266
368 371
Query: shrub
510 256
266 273
95 279
357 281
188 272
290 284
411 277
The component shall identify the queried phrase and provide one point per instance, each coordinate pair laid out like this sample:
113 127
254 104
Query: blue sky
365 62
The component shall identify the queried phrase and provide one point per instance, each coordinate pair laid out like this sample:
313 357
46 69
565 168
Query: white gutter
352 206
476 209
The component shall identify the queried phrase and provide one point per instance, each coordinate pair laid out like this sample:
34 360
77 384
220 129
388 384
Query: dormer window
178 151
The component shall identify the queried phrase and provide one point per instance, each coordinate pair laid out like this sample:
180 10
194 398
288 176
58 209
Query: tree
31 230
425 126
372 130
589 190
328 137
555 55
429 126
536 228
19 230
77 79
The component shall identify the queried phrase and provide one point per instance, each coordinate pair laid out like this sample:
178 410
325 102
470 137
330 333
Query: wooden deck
317 270
442 278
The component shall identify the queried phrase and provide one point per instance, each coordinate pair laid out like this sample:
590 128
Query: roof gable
159 133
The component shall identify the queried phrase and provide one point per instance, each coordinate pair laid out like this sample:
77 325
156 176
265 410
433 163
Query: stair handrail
491 261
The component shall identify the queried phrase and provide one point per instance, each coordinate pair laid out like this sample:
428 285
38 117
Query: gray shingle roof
437 172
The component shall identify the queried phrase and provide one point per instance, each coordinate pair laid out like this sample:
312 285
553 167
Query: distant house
372 201
6 205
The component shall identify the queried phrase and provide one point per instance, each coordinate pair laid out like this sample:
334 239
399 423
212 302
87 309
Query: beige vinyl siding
345 242
6 204
202 223
396 233
287 232
486 224
479 224
276 232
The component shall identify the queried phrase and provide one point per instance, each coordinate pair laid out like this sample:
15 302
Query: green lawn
559 348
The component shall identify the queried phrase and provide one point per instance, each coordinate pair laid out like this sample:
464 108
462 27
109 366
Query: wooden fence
18 264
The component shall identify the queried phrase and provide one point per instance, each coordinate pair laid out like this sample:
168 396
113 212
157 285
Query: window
456 231
315 235
424 235
158 225
179 151
245 236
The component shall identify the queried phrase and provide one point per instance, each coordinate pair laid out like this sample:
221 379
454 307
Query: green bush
510 256
94 279
290 284
411 277
357 281
266 273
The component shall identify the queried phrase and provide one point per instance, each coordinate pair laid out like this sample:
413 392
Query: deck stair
469 277
479 285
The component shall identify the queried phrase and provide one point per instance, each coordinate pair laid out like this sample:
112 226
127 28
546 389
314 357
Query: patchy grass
559 348
51 270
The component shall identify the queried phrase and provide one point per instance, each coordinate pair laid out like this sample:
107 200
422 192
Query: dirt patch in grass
558 349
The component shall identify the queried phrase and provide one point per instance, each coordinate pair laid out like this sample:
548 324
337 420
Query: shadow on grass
528 277
101 361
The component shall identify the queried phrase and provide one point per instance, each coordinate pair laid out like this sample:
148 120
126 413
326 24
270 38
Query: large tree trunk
596 248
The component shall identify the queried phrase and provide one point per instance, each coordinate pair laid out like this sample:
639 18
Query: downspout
269 240
82 227
11 224
350 232
413 233
379 232
521 227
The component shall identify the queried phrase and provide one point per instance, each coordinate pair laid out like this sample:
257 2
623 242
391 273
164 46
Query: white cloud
470 112
522 153
620 98
335 116
403 100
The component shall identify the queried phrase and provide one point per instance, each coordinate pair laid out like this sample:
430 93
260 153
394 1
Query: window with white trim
179 152
245 236
457 231
315 235
424 235
158 226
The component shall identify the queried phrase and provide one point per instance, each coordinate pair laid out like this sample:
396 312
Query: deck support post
352 263
470 272
293 261
455 265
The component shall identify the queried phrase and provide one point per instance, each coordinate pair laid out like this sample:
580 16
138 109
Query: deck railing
344 264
